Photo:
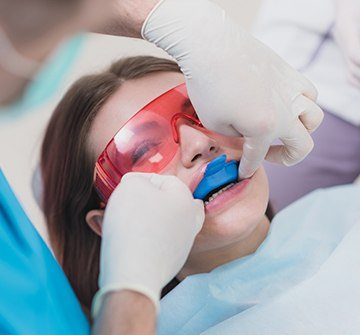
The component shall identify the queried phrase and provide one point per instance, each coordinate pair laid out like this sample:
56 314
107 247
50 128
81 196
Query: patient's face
230 217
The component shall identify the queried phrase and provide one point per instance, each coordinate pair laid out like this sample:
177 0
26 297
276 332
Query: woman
86 119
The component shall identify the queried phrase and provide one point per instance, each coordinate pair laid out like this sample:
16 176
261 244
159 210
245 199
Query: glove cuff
148 18
100 295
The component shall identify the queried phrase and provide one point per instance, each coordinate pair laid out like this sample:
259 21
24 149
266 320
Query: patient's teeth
219 192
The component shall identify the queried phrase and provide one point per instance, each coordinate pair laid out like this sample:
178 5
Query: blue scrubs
36 297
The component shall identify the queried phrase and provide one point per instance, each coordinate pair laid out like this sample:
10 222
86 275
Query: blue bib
36 297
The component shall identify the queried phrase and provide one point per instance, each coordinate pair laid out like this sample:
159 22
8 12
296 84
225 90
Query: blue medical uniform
36 297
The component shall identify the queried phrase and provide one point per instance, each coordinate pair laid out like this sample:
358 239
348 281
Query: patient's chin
238 221
217 235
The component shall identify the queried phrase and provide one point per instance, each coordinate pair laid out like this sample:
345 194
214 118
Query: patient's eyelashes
143 149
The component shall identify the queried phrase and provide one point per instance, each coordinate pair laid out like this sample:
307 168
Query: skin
135 314
235 230
126 18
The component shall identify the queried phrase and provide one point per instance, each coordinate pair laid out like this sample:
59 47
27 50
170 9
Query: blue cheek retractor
218 172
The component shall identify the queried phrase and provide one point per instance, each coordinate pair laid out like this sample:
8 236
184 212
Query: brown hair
67 169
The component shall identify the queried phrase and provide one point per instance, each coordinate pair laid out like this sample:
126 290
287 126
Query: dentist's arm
127 18
149 227
126 313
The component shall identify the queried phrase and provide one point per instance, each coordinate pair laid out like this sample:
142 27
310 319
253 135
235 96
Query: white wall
20 140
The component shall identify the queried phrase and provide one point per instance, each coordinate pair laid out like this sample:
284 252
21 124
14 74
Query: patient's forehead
125 102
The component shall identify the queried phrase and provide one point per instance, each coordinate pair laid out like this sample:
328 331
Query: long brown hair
67 170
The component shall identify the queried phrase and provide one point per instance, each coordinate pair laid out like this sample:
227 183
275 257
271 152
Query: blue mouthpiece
217 173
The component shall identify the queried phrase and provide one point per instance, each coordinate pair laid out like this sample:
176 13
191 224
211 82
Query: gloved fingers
167 183
161 182
254 152
133 182
307 88
297 145
173 185
310 114
221 128
135 176
200 217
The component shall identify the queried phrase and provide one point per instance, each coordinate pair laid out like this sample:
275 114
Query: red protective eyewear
147 142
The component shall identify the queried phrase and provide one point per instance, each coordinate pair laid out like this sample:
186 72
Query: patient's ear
94 219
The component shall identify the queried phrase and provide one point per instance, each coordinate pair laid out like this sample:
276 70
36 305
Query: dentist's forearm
126 313
128 18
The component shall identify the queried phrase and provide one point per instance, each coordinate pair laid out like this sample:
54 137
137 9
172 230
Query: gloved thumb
169 183
254 152
174 185
161 182
151 179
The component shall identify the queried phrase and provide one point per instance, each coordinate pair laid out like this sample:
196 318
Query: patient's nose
196 146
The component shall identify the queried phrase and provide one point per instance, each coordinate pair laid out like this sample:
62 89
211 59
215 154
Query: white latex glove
236 84
150 224
347 35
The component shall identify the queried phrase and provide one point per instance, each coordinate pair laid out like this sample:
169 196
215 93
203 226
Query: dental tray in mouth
218 174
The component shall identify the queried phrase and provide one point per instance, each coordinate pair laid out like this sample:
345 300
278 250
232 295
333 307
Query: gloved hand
236 84
150 224
347 35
